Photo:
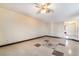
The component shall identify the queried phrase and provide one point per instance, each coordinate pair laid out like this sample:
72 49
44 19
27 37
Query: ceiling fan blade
49 10
48 3
36 3
37 6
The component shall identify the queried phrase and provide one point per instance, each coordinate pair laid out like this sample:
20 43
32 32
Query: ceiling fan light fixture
43 7
43 11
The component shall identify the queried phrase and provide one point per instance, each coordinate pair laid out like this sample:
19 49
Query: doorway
70 29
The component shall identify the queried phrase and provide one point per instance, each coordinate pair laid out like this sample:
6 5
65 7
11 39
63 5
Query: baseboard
61 38
52 36
37 38
22 41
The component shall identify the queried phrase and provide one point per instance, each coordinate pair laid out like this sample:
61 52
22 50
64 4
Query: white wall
78 29
16 27
57 29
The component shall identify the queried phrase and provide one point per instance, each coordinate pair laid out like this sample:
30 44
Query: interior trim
62 38
37 38
22 41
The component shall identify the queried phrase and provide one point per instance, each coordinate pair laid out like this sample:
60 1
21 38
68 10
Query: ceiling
62 11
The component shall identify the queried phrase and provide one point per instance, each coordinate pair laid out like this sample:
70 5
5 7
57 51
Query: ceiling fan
43 7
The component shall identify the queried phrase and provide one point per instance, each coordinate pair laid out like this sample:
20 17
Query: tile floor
45 46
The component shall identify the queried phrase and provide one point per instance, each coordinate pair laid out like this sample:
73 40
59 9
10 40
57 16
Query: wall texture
57 29
16 27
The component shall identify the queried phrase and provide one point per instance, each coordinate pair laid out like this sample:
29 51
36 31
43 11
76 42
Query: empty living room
39 29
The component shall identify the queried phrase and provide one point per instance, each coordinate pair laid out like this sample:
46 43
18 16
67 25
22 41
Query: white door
71 29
